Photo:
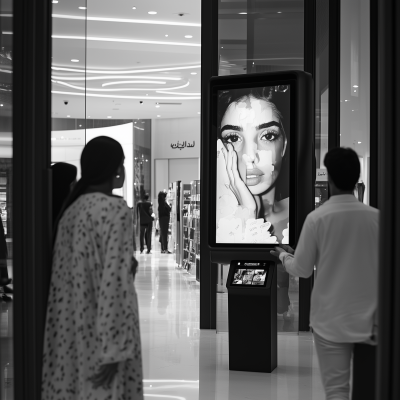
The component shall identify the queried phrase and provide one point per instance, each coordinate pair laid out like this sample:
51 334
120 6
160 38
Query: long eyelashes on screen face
270 135
231 137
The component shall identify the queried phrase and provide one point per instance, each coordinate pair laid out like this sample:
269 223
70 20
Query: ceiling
122 57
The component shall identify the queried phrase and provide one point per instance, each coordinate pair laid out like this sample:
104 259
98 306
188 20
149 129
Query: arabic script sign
182 145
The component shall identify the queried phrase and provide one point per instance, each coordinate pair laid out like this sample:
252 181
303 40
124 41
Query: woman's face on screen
253 128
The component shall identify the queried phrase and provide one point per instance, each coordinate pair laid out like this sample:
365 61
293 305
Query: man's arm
305 257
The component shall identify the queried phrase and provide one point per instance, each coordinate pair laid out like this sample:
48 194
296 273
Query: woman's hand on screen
105 376
236 184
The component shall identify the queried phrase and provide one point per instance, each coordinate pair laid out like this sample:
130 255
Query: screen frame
251 81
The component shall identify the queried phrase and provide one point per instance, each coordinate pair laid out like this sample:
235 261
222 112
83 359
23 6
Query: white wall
67 147
166 135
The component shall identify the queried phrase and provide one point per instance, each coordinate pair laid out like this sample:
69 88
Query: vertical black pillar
305 285
209 68
388 67
32 208
334 75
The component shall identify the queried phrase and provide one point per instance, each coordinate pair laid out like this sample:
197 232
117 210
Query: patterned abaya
92 315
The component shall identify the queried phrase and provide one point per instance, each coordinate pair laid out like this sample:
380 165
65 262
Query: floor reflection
181 362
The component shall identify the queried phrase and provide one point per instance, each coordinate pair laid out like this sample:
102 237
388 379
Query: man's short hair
343 167
146 196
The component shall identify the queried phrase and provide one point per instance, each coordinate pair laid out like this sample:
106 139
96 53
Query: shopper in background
145 214
164 210
92 344
64 177
341 239
4 278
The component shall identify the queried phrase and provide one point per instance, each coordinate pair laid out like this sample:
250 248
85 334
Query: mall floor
182 362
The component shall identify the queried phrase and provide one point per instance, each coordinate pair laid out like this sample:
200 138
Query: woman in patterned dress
92 347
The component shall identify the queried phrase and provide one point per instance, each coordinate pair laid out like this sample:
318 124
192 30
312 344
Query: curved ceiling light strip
123 82
126 97
121 40
91 71
100 78
125 20
187 94
118 89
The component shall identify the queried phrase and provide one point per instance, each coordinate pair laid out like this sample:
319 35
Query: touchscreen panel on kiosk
250 275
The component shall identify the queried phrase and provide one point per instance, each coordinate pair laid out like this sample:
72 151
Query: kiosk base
252 318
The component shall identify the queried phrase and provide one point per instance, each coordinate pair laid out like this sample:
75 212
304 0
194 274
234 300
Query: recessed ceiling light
355 90
243 13
1 105
74 60
80 126
68 116
352 110
147 94
88 116
359 142
166 35
133 8
109 116
152 12
346 100
355 86
55 1
193 73
157 106
222 47
82 8
158 116
198 112
188 36
279 12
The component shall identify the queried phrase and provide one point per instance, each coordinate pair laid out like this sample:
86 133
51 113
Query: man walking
144 212
341 239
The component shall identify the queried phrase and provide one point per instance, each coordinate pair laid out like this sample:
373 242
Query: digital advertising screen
246 276
253 153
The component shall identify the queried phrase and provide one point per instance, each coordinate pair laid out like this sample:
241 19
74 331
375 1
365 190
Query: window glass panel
262 36
355 86
6 201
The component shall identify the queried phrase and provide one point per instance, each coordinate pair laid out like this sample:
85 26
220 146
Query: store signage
322 175
182 145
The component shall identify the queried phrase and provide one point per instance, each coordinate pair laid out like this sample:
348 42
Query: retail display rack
191 232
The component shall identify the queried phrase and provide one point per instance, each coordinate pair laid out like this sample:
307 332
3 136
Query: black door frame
31 189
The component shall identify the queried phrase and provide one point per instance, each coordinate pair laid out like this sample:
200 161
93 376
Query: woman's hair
227 97
63 176
278 98
100 160
161 198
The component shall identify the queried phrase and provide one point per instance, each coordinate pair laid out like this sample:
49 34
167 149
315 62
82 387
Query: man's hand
277 251
287 248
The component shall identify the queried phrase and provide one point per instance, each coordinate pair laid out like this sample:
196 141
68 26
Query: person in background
64 177
144 211
4 278
341 239
92 347
164 210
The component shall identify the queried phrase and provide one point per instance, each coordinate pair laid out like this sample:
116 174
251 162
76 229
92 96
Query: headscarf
100 161
63 176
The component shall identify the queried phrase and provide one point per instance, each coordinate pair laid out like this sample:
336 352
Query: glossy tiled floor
181 362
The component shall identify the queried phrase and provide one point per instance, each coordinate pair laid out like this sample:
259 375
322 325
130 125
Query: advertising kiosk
258 187
253 340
